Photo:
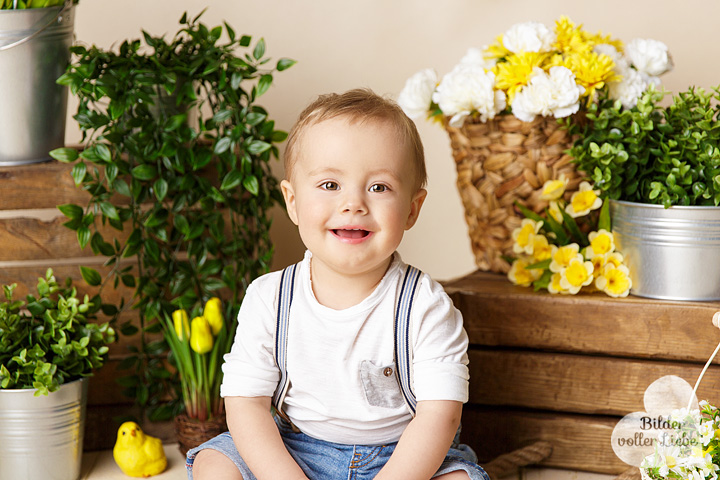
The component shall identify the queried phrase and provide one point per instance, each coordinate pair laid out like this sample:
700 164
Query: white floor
101 466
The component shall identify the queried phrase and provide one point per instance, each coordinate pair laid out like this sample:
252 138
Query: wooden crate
565 368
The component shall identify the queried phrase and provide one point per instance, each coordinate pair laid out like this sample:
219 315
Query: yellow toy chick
137 454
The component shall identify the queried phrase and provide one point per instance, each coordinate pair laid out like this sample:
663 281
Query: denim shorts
322 460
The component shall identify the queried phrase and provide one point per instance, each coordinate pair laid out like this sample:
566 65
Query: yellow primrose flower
542 249
201 339
554 285
583 201
602 242
554 189
554 210
592 71
615 281
514 73
577 274
614 258
213 314
523 236
598 263
563 255
519 275
569 38
181 324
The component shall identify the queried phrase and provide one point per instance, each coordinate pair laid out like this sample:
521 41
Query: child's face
352 194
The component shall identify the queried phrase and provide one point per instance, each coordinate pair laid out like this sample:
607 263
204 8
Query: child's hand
716 319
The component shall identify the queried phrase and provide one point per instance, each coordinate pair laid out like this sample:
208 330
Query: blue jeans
322 460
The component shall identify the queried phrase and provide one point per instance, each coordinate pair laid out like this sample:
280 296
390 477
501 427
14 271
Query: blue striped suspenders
402 331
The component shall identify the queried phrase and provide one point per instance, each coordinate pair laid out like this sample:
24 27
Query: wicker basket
192 432
498 163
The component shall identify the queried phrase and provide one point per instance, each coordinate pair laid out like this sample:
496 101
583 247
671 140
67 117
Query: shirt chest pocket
380 385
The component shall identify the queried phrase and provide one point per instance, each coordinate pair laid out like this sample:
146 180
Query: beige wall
341 44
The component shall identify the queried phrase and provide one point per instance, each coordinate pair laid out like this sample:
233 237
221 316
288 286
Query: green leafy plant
50 340
177 157
23 4
651 154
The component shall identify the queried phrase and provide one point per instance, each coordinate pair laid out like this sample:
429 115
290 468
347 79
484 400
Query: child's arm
425 442
257 439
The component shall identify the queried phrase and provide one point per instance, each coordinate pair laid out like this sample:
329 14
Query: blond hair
358 105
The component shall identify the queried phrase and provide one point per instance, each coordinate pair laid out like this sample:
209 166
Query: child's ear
415 207
289 195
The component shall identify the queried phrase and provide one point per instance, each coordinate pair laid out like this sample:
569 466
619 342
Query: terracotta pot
192 432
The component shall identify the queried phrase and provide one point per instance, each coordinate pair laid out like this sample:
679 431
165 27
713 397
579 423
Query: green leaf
160 187
604 218
231 180
103 152
65 155
78 173
284 64
109 210
222 145
144 172
91 276
251 184
264 84
72 211
259 50
83 236
258 146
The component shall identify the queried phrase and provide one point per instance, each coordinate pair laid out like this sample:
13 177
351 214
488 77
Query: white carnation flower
467 89
612 52
650 57
474 56
416 96
629 88
548 94
529 37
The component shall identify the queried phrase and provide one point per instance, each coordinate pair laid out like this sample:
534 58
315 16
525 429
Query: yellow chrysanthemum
577 274
570 38
591 70
520 275
602 242
598 38
496 50
554 189
514 73
524 234
554 285
563 256
583 201
542 249
615 281
554 210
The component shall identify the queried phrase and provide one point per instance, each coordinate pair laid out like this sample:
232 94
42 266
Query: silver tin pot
672 253
34 52
41 438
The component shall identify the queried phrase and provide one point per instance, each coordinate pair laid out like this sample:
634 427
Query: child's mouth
350 234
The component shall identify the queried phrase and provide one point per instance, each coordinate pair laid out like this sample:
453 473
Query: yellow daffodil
519 275
524 234
570 38
181 324
554 285
554 189
213 314
563 256
555 211
577 274
583 201
201 339
602 242
542 249
592 71
614 281
514 73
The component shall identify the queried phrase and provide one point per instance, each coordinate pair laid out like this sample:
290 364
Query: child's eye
329 186
378 188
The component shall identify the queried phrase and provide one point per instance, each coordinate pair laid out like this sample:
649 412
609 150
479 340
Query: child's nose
354 202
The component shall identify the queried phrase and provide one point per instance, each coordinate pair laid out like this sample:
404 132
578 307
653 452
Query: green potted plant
660 166
49 344
176 159
35 39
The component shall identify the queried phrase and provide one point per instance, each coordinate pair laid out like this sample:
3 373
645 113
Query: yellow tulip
213 314
201 340
182 327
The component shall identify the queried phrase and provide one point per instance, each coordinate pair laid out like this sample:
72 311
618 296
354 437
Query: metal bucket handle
66 6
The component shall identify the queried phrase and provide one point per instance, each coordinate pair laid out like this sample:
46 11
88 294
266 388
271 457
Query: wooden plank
575 383
39 185
580 442
498 313
103 421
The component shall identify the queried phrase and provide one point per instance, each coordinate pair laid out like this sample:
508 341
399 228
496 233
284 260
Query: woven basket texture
192 432
500 162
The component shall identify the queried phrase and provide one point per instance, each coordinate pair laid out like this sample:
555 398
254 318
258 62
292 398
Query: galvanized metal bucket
41 438
34 52
672 253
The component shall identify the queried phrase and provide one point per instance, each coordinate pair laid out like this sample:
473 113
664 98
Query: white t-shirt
337 361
